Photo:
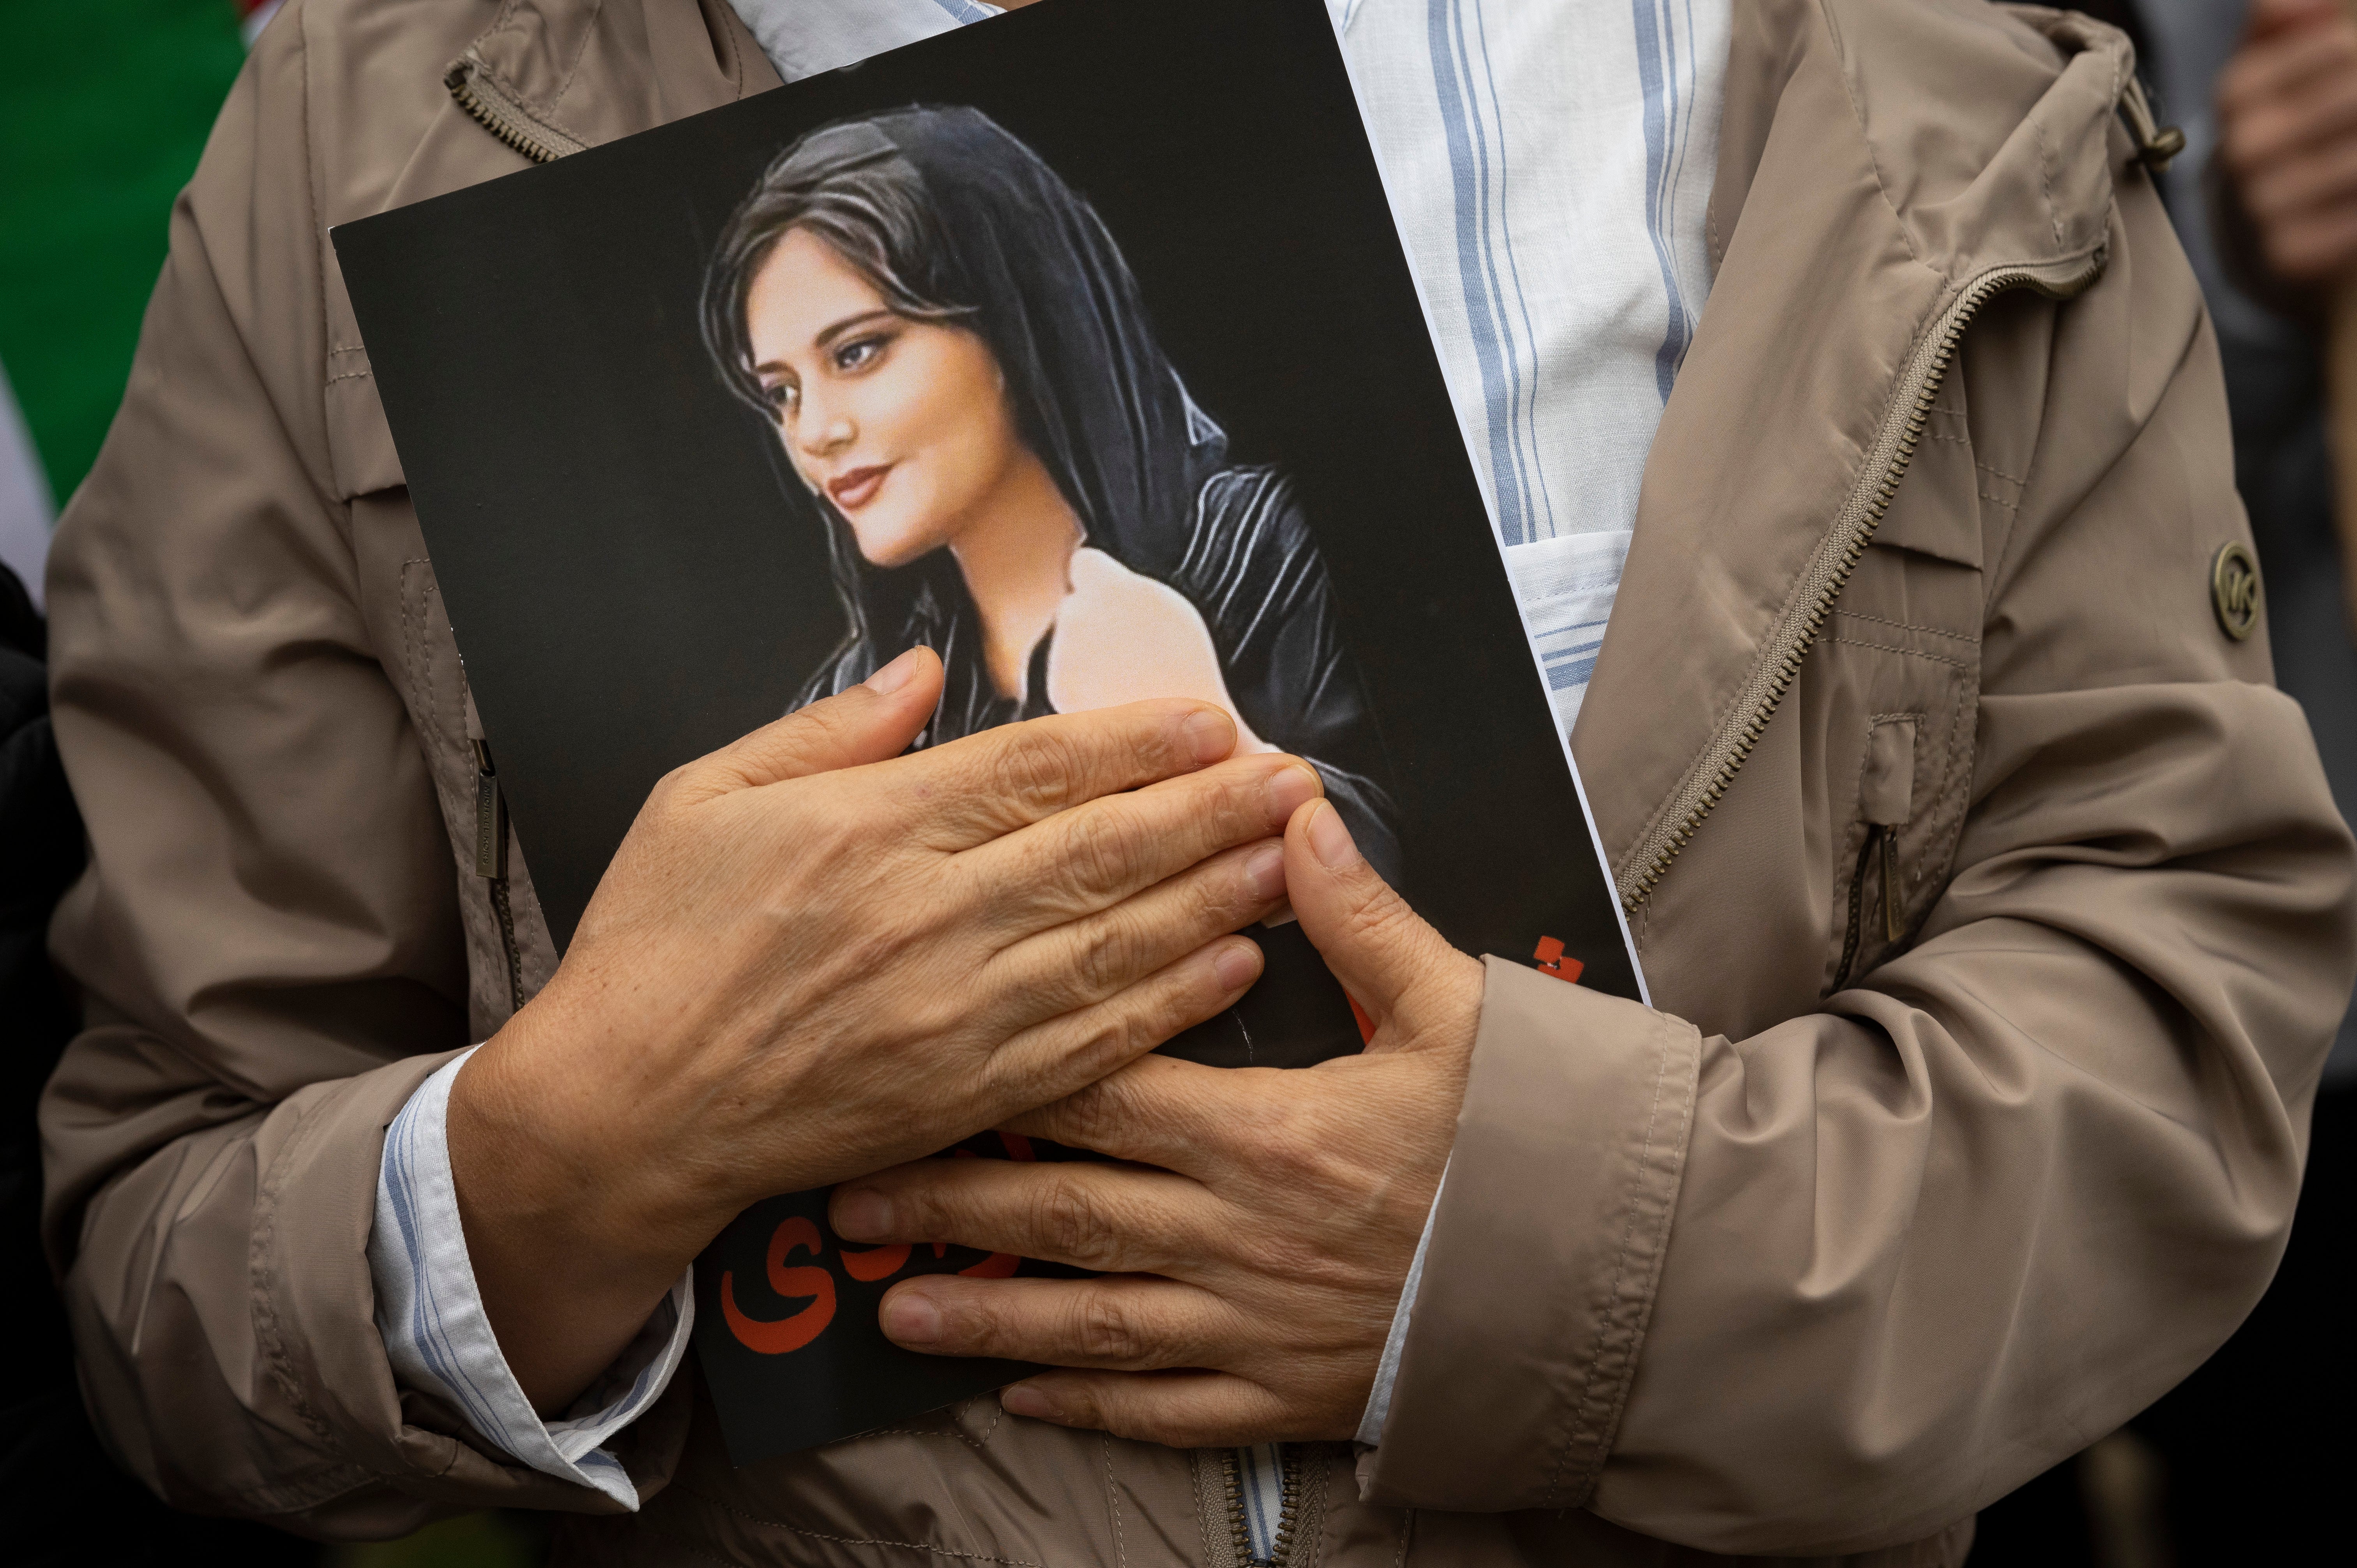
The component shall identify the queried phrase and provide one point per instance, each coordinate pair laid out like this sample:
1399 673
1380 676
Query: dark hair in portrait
946 346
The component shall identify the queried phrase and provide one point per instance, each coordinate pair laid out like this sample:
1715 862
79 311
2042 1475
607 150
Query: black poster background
605 525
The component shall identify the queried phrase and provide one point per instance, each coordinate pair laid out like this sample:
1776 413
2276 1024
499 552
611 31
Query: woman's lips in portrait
857 489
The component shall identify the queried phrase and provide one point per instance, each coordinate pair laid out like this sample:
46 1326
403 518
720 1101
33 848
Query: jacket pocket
1900 704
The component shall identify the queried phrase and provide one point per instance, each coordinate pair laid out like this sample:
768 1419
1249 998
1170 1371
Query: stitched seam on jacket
852 1540
1873 162
2046 178
1908 626
264 1282
311 216
1611 1291
1642 1316
1112 1503
735 56
1955 786
1891 648
573 67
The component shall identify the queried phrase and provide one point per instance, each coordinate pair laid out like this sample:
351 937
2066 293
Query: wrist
542 1164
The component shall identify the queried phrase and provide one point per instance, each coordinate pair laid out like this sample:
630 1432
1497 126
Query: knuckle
1107 1331
1072 1226
1090 1114
1036 768
1111 1036
1099 848
1108 957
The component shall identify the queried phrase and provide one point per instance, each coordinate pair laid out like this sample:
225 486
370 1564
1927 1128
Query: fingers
1380 950
1127 1322
1180 1410
1059 1054
1083 961
870 722
2279 92
1113 1218
978 787
1158 1110
1098 852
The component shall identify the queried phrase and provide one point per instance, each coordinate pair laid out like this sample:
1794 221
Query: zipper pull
490 806
490 818
1890 925
2156 143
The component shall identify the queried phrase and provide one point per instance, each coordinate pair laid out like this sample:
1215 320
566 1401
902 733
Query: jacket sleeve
1837 1285
268 938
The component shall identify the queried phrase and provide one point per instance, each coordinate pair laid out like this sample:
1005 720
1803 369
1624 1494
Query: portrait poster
692 422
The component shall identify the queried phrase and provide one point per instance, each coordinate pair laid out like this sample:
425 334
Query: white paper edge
1489 505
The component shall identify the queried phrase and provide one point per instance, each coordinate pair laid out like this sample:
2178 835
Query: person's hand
814 957
1256 1251
2287 133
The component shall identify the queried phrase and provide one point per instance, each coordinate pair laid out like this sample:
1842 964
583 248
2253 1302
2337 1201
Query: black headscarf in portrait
1023 262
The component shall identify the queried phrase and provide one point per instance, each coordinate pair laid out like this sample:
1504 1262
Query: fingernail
1264 872
862 1213
1282 915
910 1319
1237 966
1287 789
893 676
1329 840
1022 1399
1211 734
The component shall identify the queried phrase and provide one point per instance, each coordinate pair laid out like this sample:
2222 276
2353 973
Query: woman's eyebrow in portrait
845 325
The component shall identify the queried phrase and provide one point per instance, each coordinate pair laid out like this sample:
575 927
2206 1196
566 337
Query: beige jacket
1851 1237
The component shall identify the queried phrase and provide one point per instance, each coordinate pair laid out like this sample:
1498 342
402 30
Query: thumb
871 722
1381 950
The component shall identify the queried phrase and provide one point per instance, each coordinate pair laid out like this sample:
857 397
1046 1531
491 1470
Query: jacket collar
1874 161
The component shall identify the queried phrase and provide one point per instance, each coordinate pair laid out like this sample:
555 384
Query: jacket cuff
1546 1247
314 1298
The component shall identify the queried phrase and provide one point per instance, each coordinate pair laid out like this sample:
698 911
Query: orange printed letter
785 1333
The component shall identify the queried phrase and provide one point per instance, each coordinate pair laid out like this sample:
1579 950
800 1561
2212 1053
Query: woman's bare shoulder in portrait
1121 637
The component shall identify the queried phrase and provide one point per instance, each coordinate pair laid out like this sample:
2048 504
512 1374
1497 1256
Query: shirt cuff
1379 1400
440 1341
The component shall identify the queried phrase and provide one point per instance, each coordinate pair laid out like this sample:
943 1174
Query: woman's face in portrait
903 424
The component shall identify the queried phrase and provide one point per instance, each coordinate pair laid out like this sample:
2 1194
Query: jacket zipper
1837 558
491 860
1288 1513
469 80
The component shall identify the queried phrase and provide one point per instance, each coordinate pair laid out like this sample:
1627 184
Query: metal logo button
2234 589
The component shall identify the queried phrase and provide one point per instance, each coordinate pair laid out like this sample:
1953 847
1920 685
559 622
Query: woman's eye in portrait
860 352
783 397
